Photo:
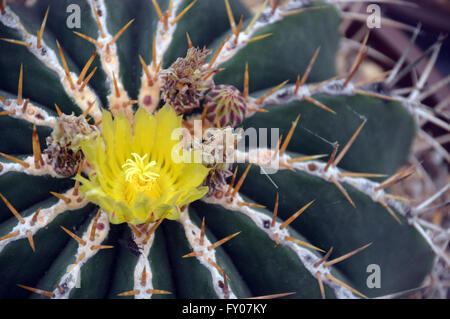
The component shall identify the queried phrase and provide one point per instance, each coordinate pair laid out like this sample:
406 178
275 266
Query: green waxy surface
122 278
255 255
399 250
137 40
235 282
203 28
20 132
160 264
65 258
35 75
381 147
192 279
125 261
18 263
77 51
288 51
94 281
22 191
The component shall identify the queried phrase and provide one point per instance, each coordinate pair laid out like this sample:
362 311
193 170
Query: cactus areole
119 134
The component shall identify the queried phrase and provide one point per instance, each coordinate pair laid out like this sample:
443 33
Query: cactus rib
143 284
204 254
282 237
88 246
29 169
27 111
47 56
37 221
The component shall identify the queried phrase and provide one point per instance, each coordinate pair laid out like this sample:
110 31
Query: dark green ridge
205 22
160 266
332 221
66 256
40 84
253 250
77 51
49 242
96 274
381 147
288 51
23 191
136 40
122 279
125 263
237 282
191 278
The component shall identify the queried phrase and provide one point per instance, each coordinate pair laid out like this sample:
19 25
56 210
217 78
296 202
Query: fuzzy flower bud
64 144
184 83
226 105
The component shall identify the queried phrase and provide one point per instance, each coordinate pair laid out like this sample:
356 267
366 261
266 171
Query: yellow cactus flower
135 177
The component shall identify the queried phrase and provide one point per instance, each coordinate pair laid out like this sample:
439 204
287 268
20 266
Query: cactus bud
184 83
216 178
225 104
64 144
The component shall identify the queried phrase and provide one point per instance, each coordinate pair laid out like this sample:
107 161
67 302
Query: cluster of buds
185 82
225 105
186 85
63 151
217 147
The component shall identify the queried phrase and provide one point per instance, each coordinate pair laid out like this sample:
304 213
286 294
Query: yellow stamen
138 167
141 177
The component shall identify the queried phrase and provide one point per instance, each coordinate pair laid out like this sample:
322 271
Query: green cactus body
283 231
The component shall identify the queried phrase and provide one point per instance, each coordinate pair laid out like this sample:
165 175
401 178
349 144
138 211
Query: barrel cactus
94 204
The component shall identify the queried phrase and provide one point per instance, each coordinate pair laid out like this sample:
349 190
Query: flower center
141 177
